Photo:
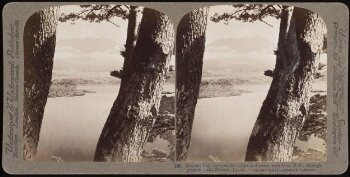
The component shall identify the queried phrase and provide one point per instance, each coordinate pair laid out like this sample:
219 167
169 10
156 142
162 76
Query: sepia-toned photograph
175 88
251 84
99 84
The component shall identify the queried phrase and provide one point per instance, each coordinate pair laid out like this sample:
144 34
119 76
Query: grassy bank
221 88
65 88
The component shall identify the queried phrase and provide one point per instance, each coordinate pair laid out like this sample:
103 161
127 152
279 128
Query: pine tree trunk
135 110
284 110
190 44
39 48
134 20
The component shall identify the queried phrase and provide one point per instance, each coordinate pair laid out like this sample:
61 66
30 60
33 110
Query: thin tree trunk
134 20
284 110
190 44
39 47
135 110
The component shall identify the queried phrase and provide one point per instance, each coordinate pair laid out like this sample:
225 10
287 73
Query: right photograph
251 84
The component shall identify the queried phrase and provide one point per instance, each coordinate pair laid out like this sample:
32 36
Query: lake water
222 126
72 125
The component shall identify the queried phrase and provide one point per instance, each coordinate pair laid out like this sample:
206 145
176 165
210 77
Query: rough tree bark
135 110
39 47
284 110
190 44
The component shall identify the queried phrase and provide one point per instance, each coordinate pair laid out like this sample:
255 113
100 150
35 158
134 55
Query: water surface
72 125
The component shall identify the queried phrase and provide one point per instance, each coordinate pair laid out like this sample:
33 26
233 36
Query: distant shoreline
70 87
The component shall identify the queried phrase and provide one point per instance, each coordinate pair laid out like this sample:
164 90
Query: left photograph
99 85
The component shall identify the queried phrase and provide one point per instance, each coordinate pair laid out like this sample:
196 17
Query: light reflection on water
222 127
72 125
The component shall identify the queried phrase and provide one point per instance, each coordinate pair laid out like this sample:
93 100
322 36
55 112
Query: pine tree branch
112 23
266 22
248 13
96 13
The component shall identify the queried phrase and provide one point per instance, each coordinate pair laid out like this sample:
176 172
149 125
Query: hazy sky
89 46
96 46
239 44
240 41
